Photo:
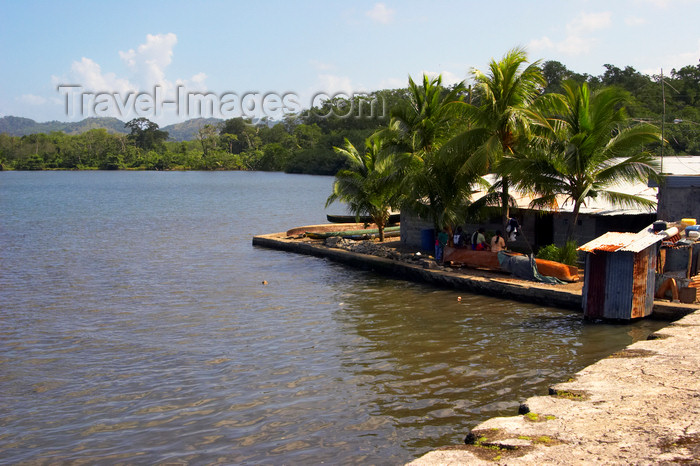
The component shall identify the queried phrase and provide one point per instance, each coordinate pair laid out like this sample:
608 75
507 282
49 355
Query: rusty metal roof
629 242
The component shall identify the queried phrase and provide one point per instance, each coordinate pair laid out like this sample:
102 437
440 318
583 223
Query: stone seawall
638 406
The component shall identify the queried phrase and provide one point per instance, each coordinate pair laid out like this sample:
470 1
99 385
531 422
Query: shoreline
637 406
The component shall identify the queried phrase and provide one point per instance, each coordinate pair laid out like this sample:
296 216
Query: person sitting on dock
440 243
497 242
479 240
512 229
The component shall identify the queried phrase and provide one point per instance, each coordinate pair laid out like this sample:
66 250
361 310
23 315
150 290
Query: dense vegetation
558 147
300 144
304 143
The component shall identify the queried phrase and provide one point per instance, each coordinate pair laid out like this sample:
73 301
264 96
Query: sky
171 61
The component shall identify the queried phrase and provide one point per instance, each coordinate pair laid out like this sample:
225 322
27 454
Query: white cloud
31 99
333 84
321 66
147 65
89 74
679 60
328 86
659 3
587 22
579 39
149 60
576 45
199 78
380 13
543 43
393 83
448 78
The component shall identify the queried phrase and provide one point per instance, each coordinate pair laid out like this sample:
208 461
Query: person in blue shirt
440 243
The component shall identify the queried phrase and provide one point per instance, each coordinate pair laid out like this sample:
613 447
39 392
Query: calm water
135 328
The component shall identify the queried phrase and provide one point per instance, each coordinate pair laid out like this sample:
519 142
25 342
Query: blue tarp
524 267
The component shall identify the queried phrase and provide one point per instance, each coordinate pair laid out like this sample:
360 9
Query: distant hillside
187 130
18 126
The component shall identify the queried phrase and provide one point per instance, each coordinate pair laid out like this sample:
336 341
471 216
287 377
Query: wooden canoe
328 227
393 218
489 260
353 233
474 259
568 273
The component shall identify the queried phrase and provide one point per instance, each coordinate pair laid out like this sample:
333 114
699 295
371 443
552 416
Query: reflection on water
136 328
437 366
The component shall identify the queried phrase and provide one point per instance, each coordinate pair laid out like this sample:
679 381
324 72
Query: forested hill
18 126
187 130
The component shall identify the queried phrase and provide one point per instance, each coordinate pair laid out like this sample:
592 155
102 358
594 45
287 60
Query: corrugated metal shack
620 277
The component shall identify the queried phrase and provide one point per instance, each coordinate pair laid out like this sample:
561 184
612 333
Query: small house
541 227
620 275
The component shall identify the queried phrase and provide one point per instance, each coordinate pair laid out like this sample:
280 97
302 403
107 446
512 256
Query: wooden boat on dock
567 273
467 257
393 218
324 227
489 260
356 234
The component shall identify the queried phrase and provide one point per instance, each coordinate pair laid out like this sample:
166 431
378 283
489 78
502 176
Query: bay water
135 328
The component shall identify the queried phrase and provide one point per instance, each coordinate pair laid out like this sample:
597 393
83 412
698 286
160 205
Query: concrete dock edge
518 291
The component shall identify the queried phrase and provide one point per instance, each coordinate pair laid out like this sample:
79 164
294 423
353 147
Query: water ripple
136 330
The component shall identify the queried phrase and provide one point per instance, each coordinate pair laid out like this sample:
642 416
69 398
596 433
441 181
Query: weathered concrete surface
638 406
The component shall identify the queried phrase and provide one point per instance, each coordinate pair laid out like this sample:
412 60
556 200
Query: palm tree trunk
505 205
574 221
380 221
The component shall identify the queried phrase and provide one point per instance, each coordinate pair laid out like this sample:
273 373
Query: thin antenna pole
663 119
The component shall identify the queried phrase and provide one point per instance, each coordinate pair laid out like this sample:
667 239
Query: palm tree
592 149
431 176
501 122
366 184
422 124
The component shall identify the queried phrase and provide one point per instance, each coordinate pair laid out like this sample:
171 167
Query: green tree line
304 143
301 143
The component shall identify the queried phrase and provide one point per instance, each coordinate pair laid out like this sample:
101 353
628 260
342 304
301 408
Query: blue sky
303 48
